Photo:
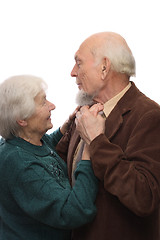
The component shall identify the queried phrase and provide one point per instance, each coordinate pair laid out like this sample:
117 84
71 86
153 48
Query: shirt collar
109 105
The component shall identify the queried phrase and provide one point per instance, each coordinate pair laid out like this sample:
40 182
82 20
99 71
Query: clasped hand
89 123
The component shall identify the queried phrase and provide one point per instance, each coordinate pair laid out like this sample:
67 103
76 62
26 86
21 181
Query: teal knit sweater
36 199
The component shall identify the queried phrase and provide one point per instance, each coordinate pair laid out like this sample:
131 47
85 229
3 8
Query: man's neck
114 85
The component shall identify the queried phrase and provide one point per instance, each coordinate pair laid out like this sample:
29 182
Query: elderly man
125 150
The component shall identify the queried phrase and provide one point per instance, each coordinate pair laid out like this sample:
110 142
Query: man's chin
84 98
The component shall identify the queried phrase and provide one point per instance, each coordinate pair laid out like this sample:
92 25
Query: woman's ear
105 67
22 123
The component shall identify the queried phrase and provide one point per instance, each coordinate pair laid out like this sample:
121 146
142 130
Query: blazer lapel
123 107
113 123
73 145
115 119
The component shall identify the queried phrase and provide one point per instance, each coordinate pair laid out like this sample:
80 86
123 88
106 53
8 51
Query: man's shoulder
135 99
145 103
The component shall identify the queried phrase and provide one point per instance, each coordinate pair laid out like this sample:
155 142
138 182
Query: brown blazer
126 160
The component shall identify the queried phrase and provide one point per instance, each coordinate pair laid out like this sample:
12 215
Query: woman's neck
31 138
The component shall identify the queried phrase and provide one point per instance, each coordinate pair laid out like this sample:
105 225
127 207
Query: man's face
86 71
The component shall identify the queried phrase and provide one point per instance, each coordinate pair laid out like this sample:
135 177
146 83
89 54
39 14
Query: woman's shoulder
6 148
12 154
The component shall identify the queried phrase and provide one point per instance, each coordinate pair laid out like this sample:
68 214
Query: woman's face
40 122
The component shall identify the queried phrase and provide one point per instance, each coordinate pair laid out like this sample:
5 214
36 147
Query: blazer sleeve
132 175
53 138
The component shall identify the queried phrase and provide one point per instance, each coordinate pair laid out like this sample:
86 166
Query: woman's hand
67 123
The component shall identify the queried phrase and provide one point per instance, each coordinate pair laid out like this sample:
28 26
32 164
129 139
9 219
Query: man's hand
89 123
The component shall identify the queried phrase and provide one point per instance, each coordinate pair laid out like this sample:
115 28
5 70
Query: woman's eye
44 101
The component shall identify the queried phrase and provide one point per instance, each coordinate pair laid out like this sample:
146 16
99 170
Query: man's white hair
118 52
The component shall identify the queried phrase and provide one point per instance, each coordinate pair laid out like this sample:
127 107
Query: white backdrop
40 37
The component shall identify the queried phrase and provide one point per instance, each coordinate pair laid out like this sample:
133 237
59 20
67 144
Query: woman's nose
51 106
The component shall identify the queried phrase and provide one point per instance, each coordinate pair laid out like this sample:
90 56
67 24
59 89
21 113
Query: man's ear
105 67
22 123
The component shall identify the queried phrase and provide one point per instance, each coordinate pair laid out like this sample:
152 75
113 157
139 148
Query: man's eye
78 64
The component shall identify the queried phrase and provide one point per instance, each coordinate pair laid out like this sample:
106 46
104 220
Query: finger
77 108
84 108
96 108
78 114
76 121
93 107
101 107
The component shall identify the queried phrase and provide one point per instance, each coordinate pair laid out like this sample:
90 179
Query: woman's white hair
118 52
17 101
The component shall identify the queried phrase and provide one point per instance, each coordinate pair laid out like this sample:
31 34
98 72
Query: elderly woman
36 199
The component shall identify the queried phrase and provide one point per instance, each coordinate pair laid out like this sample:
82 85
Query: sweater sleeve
43 197
53 138
132 175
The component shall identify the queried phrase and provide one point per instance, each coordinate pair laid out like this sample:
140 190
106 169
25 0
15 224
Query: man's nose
74 71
